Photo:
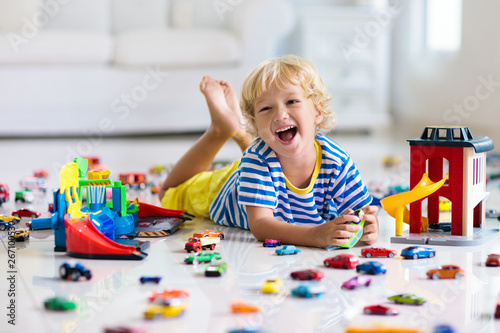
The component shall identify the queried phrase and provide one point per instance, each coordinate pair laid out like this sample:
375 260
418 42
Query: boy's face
286 119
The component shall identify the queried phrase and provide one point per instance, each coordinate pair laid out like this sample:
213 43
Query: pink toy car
357 281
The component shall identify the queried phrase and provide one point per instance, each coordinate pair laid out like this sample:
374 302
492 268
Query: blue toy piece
6 225
308 291
416 252
74 273
371 267
287 249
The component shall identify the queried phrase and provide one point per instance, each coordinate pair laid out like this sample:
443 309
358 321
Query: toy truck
196 244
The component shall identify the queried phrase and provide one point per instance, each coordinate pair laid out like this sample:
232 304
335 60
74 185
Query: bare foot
227 120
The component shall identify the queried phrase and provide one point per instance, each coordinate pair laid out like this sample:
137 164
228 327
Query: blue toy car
74 273
308 291
150 279
371 267
287 249
6 225
416 252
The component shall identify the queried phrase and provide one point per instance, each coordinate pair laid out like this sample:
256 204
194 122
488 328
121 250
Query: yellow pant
196 194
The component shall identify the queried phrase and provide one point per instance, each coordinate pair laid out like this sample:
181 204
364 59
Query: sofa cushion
14 12
201 13
51 46
139 14
81 15
177 47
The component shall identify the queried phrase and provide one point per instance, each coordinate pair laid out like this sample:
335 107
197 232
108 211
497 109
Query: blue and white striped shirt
259 181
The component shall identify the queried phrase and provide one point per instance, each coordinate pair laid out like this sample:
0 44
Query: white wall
440 89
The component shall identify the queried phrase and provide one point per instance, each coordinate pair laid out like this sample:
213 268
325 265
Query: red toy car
344 260
271 243
377 252
308 274
380 309
493 260
25 212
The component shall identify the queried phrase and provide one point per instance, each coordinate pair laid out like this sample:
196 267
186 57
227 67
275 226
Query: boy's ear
319 117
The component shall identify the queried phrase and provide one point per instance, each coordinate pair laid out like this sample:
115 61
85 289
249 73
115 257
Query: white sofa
112 67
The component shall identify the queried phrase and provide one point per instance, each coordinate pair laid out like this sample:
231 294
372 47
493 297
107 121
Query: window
443 25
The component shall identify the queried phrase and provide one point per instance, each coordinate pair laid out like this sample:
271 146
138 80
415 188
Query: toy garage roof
449 136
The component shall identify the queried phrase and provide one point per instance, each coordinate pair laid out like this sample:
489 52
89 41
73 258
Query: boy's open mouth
287 134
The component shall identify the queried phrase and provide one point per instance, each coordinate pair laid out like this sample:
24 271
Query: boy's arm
263 225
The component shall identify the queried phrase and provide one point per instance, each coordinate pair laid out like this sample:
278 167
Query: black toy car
74 273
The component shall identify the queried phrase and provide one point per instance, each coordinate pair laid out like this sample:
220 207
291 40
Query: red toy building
454 148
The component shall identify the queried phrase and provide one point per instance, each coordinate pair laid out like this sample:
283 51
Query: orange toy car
446 272
209 233
241 307
168 294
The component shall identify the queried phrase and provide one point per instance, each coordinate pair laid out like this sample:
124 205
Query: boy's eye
265 108
293 101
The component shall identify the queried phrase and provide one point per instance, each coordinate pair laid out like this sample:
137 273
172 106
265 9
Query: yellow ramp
395 205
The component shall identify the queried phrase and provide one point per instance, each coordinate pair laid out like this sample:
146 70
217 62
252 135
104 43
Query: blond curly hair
281 71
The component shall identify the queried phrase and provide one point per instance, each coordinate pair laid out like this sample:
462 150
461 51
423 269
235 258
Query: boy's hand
337 231
370 231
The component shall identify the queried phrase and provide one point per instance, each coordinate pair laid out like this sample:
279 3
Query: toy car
11 219
380 309
6 225
287 249
272 286
371 267
25 212
124 329
407 299
216 269
202 257
446 272
356 282
171 308
416 252
493 260
369 252
74 273
21 235
440 226
24 196
240 307
308 291
344 260
307 274
150 279
167 295
271 243
59 304
209 233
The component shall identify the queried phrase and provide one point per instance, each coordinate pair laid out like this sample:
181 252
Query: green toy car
216 269
407 299
202 257
59 304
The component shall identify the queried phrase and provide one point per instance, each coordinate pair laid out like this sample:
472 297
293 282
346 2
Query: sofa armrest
261 24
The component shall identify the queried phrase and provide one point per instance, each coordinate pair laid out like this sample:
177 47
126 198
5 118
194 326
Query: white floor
114 295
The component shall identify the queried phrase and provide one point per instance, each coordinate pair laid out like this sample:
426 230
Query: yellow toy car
21 235
171 308
272 286
9 218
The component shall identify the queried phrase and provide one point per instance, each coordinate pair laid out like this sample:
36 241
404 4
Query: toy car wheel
212 246
368 283
390 255
435 276
63 271
327 264
431 255
368 255
397 301
2 227
88 275
417 302
221 236
33 216
344 267
367 311
458 276
415 256
75 276
15 214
